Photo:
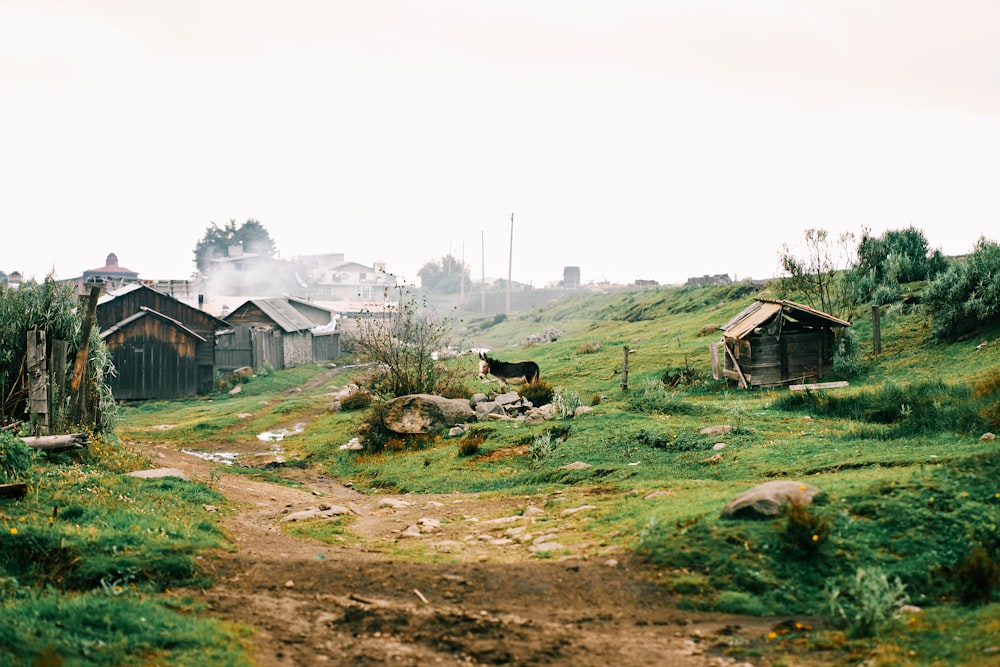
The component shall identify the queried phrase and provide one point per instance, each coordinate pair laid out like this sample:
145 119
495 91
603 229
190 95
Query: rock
719 445
425 413
317 513
574 510
989 436
768 499
582 410
576 465
716 430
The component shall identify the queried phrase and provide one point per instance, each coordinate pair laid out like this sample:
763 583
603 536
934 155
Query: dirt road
443 580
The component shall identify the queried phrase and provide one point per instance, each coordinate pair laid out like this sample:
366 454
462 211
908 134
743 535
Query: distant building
571 277
706 280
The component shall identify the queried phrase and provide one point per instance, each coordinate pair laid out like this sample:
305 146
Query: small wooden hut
775 342
154 356
122 318
275 334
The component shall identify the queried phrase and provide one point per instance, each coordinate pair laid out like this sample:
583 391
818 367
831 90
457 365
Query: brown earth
457 579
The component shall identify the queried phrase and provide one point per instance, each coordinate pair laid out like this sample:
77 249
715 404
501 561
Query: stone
767 500
425 413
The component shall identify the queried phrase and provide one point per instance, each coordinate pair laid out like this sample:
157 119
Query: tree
403 340
444 276
251 235
821 276
966 296
885 262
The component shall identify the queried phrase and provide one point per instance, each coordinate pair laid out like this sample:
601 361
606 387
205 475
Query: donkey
523 371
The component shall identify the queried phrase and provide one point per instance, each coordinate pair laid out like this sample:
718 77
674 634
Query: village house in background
277 332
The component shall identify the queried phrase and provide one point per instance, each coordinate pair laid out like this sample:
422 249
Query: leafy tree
820 277
217 240
966 296
402 340
444 276
896 257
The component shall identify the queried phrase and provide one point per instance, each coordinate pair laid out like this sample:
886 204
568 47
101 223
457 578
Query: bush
541 446
805 531
16 458
967 295
539 393
867 604
356 400
847 356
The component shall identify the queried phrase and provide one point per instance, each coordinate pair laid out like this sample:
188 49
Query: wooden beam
739 371
818 385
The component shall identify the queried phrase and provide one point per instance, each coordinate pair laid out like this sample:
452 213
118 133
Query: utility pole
510 261
482 285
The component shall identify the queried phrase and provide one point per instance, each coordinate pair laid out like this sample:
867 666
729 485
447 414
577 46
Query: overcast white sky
634 139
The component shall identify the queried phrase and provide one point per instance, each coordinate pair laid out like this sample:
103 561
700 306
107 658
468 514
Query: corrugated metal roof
283 314
762 311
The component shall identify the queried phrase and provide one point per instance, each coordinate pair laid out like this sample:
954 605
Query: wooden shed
775 342
154 356
116 313
272 331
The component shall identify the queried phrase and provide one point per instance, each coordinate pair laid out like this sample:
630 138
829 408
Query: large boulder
425 413
767 500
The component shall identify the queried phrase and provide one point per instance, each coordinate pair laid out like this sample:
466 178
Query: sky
652 140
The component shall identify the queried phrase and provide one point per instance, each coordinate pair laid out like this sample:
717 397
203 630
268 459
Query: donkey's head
484 365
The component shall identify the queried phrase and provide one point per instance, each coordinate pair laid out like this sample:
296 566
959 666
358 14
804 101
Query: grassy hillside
910 500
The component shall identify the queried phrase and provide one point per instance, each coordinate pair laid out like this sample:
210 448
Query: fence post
38 383
625 370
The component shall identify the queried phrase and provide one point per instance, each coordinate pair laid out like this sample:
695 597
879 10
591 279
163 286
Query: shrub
589 348
356 400
653 397
541 446
868 603
16 458
847 356
805 532
967 295
977 577
566 402
538 393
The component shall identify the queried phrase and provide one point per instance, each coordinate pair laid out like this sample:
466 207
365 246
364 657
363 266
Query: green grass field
910 500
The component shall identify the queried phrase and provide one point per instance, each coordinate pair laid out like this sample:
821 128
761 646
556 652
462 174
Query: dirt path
442 580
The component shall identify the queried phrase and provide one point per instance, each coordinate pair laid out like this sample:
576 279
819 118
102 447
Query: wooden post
38 383
876 330
77 386
625 370
57 383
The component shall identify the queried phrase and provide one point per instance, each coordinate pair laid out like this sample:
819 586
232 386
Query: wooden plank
818 385
743 381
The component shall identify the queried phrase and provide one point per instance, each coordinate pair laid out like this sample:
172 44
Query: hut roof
149 312
279 311
762 311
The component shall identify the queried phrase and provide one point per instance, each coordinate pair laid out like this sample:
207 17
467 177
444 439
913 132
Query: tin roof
762 311
282 313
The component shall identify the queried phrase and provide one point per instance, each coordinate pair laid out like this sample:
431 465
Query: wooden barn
154 356
275 333
161 347
775 342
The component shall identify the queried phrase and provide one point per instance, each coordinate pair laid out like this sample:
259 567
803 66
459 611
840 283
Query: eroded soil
453 579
